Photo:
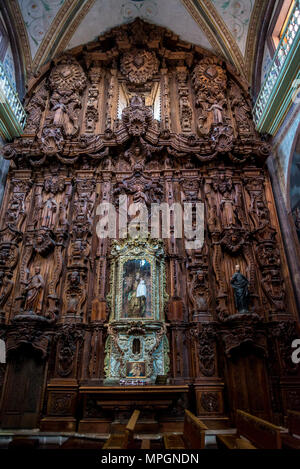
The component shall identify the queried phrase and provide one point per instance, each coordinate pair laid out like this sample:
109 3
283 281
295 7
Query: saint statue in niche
136 289
241 294
33 292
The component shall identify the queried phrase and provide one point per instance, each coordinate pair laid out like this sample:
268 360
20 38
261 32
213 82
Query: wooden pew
290 440
82 443
123 440
146 444
193 436
259 433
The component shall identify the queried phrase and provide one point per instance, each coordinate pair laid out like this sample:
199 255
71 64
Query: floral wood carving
31 331
137 117
210 401
68 337
139 66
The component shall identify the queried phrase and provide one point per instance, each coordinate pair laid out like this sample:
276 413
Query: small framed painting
136 370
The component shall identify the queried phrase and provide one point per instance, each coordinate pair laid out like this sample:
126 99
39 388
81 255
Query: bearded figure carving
233 240
268 255
49 212
242 111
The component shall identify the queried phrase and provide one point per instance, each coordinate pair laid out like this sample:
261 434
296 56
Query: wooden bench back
193 431
263 434
294 422
132 421
123 440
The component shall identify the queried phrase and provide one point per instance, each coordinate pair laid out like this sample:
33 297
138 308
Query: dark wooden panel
23 391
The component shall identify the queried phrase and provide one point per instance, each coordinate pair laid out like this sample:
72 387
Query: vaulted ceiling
229 28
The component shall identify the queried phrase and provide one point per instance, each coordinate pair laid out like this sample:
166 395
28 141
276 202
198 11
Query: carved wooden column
62 389
112 99
166 119
185 108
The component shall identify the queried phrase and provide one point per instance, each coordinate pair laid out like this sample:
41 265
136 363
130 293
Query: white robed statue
141 289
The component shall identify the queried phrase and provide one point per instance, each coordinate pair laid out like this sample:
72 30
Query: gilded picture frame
137 281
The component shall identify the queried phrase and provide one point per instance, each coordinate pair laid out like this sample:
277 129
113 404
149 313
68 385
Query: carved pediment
137 82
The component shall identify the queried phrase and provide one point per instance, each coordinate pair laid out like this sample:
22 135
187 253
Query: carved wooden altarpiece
141 114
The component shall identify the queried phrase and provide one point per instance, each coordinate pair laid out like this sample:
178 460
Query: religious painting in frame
136 285
137 280
136 370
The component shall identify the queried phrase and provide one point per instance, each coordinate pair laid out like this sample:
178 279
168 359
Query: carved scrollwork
137 117
31 331
210 401
243 329
206 348
68 337
140 117
233 240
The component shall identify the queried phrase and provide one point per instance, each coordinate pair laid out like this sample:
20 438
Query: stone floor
47 440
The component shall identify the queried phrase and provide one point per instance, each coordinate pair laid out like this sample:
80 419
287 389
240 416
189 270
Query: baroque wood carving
143 117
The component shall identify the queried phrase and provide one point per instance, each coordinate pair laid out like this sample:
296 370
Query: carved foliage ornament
137 117
286 332
68 336
243 329
139 66
206 349
209 77
210 401
29 333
